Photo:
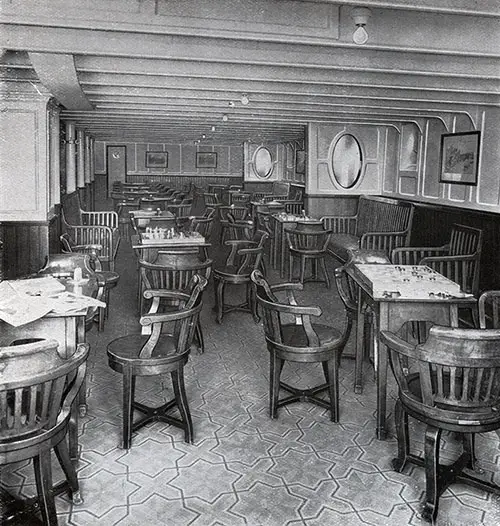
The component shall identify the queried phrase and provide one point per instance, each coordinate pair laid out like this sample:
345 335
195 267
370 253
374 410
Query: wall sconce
360 15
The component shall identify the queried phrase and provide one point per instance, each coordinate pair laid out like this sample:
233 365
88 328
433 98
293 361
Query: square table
397 294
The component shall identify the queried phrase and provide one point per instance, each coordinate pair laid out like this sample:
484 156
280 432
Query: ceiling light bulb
244 100
360 36
225 118
203 136
213 128
231 103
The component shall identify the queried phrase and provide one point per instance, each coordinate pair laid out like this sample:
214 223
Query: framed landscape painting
460 157
156 159
206 160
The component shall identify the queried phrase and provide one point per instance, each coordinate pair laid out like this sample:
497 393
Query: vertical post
70 157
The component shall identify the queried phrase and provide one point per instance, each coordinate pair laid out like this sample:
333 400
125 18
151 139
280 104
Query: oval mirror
262 162
347 161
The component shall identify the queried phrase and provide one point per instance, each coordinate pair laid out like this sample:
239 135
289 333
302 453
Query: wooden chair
489 309
450 383
204 224
300 341
174 270
165 350
458 260
238 213
37 390
91 228
245 257
105 278
308 244
211 200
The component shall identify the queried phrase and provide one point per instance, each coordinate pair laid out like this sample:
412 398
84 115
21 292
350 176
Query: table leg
282 250
360 344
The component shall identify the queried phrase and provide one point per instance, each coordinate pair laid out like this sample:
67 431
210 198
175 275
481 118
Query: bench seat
380 225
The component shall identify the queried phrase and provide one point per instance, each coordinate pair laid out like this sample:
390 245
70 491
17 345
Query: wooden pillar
70 157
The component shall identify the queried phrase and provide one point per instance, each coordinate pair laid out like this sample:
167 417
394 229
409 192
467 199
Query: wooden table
148 249
397 294
69 330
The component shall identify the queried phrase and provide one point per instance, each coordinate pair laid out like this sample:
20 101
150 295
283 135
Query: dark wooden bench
381 224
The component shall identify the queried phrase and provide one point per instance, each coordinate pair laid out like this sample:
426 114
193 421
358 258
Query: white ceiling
169 71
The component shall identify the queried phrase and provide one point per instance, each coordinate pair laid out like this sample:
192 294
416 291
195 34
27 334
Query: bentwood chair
450 383
308 244
165 350
106 278
245 257
299 341
37 390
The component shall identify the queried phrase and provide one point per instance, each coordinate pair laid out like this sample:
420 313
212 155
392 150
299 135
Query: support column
88 184
70 157
80 166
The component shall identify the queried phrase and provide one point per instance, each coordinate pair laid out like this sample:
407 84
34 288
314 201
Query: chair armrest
398 344
107 218
340 224
162 293
413 255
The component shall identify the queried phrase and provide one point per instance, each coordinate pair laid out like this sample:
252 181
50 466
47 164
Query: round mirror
347 161
262 162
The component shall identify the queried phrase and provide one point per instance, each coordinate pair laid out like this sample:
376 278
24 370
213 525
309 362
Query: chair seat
295 336
343 245
230 273
307 252
109 278
125 351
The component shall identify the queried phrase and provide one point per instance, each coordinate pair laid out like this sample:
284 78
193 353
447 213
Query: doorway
116 165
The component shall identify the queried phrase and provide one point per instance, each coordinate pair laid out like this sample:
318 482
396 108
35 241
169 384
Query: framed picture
408 153
300 161
206 160
156 159
460 157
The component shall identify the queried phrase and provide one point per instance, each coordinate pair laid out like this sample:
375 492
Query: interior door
116 165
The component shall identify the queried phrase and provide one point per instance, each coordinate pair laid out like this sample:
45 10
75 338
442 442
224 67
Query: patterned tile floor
244 468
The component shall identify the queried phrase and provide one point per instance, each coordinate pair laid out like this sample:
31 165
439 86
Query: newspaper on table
27 300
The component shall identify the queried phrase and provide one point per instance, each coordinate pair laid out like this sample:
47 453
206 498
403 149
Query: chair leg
182 403
252 302
290 267
330 368
43 477
402 432
200 338
219 299
276 365
468 440
431 461
128 406
325 272
62 454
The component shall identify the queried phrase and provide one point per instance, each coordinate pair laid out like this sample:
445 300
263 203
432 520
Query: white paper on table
68 302
37 286
19 309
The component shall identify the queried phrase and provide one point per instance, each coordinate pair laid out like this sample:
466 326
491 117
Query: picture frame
156 159
206 160
300 161
459 161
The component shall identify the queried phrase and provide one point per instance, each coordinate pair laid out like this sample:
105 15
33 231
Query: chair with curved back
458 260
237 214
173 270
164 350
204 224
301 341
37 390
450 383
106 278
489 309
308 244
245 256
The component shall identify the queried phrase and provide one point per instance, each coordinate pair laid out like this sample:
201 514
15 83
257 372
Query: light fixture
225 118
360 15
231 103
213 128
244 99
203 136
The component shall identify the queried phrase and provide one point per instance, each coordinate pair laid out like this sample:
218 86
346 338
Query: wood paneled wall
26 245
